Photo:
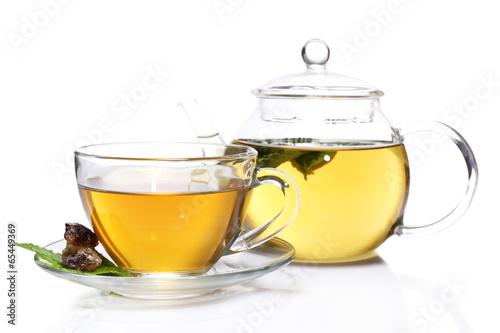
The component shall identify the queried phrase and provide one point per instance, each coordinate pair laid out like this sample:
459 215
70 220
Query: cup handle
252 238
470 161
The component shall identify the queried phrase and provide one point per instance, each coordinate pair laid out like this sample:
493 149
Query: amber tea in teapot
351 196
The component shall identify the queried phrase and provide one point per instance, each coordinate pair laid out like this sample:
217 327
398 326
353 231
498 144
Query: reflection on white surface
363 297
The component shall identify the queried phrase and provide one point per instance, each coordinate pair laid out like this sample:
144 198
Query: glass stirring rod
202 126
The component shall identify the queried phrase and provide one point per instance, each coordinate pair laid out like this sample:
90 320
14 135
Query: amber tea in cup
175 208
171 231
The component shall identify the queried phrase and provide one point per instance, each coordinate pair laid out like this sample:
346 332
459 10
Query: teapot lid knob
315 53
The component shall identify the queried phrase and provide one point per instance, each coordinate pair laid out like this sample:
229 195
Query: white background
64 77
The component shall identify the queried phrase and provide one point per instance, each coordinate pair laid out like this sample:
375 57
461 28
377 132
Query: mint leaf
308 162
101 270
54 260
305 161
274 157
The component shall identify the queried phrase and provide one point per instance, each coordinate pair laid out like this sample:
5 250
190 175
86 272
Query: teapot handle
470 161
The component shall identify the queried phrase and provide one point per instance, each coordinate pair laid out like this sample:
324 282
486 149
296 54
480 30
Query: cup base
169 275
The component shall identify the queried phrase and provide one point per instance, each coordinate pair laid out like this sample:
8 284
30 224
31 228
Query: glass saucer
229 271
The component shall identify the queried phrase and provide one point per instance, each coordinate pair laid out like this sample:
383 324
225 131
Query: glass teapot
328 133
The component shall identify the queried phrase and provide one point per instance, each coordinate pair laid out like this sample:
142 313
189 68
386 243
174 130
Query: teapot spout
202 126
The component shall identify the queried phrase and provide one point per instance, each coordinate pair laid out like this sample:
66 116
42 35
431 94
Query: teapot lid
317 81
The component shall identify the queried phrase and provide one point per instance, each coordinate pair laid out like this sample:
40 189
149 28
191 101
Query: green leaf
307 163
275 157
54 260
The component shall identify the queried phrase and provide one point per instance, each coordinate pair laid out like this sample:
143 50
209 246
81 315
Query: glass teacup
176 207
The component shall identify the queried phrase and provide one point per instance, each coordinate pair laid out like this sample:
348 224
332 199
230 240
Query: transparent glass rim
321 92
92 151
